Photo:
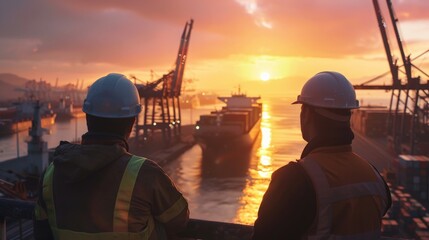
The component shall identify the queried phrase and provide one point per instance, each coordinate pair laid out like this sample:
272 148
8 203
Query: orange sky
232 43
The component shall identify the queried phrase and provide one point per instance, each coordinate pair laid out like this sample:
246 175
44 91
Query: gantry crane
161 98
407 124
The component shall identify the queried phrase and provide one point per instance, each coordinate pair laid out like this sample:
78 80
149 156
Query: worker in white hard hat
97 189
330 193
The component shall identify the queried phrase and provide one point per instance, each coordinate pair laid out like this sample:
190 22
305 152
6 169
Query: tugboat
236 126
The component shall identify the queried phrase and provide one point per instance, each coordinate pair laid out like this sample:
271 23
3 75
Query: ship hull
234 127
219 141
68 115
8 127
226 156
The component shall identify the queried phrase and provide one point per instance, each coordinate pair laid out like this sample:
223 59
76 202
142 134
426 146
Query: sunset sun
264 76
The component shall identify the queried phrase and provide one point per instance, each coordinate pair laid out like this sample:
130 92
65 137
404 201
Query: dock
156 149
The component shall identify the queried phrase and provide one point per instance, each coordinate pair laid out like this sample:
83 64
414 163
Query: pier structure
37 147
161 98
408 116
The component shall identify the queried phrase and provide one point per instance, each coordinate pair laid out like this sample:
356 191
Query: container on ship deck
208 119
241 117
256 111
248 111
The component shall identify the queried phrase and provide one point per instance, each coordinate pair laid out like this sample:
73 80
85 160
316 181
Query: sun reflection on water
259 173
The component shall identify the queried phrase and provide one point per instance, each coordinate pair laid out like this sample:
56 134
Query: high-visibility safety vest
351 195
120 212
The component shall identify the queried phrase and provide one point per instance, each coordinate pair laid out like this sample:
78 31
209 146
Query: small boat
235 126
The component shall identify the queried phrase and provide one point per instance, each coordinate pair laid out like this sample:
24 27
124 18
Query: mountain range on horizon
11 86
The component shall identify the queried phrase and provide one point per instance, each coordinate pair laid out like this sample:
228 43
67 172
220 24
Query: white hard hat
112 96
328 90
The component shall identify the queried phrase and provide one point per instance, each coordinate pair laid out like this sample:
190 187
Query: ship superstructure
236 125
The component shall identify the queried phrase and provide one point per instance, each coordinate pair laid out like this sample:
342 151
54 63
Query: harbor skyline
261 45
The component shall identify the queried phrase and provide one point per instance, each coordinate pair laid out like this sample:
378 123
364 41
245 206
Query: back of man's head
111 105
327 99
329 120
117 126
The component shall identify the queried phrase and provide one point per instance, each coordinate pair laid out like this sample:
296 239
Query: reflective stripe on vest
173 211
121 211
40 213
327 196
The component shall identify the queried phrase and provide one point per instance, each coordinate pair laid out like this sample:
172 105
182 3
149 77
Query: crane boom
394 19
181 59
382 26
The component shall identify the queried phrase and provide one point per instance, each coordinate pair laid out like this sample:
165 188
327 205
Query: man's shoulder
149 162
291 172
293 166
152 176
150 167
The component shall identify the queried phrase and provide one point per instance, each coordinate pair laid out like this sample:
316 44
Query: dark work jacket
288 208
85 184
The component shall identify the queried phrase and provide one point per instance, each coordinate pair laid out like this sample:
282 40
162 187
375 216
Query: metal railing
196 228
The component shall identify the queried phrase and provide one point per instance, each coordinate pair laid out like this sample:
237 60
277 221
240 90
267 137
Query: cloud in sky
80 35
252 8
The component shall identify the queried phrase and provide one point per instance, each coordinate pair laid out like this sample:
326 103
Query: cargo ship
235 126
66 110
19 117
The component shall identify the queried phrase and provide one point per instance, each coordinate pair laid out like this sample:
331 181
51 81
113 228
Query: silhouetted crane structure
43 91
408 121
161 98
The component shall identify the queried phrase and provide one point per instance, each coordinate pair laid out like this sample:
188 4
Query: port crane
408 118
161 98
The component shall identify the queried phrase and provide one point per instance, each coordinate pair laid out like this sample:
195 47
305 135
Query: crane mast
382 26
407 121
406 61
161 98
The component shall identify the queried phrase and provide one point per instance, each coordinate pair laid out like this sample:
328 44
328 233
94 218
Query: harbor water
233 193
227 188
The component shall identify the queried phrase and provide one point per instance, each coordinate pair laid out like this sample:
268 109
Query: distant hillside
9 85
13 79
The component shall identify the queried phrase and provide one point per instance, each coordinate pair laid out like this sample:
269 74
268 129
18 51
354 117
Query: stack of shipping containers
413 174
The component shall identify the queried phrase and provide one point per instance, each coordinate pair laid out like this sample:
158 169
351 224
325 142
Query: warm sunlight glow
265 76
261 174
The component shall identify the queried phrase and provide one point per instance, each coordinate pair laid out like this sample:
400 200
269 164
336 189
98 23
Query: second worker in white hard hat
330 193
97 189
